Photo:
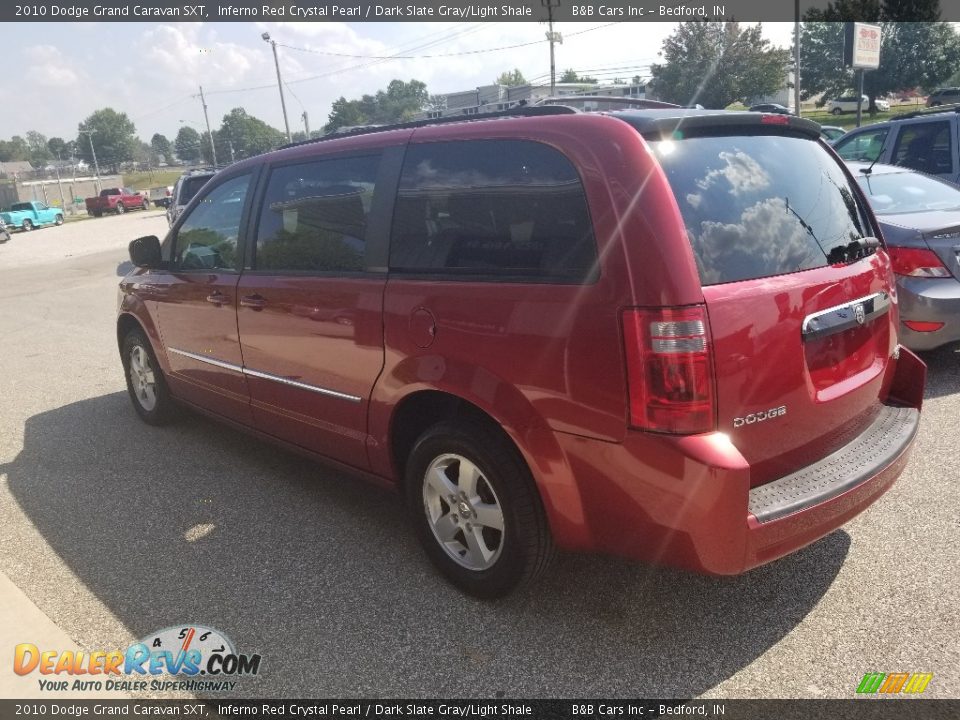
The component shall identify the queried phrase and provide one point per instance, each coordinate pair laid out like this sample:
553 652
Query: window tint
492 207
314 215
207 239
865 146
924 147
749 214
191 186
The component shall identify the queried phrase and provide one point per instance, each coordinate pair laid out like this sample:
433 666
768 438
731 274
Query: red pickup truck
116 200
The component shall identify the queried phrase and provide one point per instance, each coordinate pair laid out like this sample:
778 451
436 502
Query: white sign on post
866 46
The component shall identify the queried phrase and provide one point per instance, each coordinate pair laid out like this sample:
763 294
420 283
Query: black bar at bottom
861 708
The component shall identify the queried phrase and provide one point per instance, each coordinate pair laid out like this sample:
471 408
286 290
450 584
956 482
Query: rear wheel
145 382
120 208
27 226
476 509
59 220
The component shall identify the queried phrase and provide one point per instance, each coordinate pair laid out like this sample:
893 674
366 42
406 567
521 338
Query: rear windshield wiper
853 250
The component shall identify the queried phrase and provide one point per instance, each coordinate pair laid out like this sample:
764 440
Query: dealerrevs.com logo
191 658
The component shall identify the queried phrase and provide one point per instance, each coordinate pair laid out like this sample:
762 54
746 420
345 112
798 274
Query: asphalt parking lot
115 529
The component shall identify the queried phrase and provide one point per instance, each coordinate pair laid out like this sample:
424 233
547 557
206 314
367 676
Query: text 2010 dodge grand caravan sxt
668 335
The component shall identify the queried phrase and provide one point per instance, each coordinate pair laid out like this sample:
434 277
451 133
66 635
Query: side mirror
145 252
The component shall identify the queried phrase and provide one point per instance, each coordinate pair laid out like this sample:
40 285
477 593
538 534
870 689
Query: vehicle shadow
197 523
943 371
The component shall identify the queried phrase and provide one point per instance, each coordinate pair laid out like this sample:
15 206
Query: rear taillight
923 326
916 262
669 369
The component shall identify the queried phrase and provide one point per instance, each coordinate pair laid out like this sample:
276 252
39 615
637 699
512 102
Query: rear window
190 187
759 205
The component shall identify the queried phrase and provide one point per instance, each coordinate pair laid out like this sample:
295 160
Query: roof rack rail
640 103
953 107
522 110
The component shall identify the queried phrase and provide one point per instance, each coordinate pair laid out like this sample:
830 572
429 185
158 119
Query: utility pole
306 123
796 58
553 38
213 150
96 165
63 201
283 103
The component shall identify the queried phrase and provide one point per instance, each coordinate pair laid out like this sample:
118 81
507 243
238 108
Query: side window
207 239
865 146
314 215
492 207
925 147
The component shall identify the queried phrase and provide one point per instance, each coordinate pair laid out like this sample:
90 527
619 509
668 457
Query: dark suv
667 334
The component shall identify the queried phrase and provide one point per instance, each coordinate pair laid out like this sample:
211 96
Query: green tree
511 79
912 54
400 101
59 148
249 135
187 144
16 148
570 76
716 64
113 135
161 146
39 152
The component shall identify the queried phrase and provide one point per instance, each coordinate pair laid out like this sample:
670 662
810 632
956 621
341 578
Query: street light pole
796 58
96 165
283 102
552 37
213 150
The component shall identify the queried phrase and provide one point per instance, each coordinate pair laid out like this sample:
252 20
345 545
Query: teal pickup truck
30 215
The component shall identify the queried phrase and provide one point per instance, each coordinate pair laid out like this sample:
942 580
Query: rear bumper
688 502
929 300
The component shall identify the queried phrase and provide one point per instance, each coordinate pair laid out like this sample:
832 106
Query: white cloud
49 68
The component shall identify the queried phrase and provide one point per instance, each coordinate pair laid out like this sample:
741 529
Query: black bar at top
596 11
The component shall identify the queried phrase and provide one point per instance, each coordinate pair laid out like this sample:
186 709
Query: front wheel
120 208
836 111
145 382
58 220
476 509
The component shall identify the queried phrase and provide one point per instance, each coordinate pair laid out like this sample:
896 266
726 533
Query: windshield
907 192
760 205
190 187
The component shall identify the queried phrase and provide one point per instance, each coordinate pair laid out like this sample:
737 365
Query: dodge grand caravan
669 335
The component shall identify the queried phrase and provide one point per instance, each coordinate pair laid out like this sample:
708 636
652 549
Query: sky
152 71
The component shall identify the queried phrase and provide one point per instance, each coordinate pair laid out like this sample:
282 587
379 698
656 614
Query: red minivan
669 335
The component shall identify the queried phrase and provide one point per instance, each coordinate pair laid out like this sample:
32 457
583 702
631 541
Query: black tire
836 111
27 226
164 410
120 208
525 546
59 220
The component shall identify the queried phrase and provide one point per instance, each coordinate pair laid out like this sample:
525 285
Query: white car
848 103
